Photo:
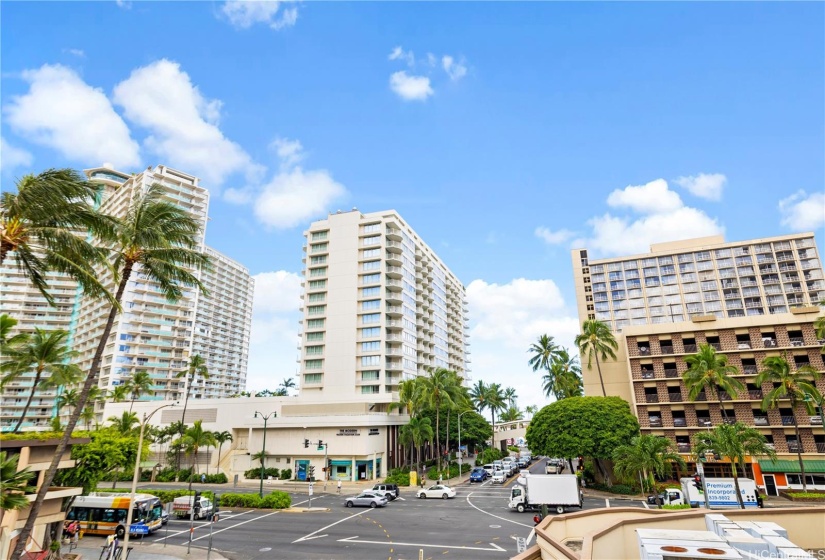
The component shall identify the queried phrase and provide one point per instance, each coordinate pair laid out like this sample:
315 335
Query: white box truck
721 493
557 492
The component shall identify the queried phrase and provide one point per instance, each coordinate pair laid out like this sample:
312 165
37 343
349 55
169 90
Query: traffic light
306 443
217 505
311 472
320 445
197 503
697 482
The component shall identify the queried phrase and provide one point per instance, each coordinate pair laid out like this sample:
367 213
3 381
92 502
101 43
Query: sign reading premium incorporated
349 432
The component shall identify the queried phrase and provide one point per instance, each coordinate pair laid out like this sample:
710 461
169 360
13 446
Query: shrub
286 474
219 478
615 489
490 455
276 500
398 477
676 506
255 473
805 496
273 500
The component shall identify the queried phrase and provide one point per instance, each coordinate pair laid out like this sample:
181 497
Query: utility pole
459 444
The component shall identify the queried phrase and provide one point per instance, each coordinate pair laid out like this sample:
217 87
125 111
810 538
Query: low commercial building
357 439
37 456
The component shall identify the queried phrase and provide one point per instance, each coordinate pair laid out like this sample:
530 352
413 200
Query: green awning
789 466
149 464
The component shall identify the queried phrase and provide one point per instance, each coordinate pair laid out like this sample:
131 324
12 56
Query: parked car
164 517
478 475
367 498
391 491
489 469
437 491
522 463
512 464
499 477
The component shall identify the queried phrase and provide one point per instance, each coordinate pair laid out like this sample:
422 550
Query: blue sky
504 133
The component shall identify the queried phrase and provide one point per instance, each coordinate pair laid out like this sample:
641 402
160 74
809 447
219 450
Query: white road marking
530 537
495 547
314 537
306 537
492 514
606 502
645 504
198 525
236 525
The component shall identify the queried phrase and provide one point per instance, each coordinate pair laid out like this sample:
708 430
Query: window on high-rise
370 318
320 235
315 324
371 304
313 364
372 346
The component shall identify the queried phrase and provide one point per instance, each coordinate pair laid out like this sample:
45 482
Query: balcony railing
674 397
704 422
667 349
787 420
683 447
750 369
647 375
761 421
794 447
655 422
715 345
755 393
680 422
671 373
701 397
797 341
820 447
729 420
652 398
690 348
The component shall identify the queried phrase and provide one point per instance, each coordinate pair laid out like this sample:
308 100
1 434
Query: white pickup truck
182 508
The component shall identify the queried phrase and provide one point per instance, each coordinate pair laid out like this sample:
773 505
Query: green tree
287 384
125 423
87 415
511 415
588 426
220 439
596 341
440 387
119 394
646 454
798 386
510 396
161 239
736 442
15 484
109 451
47 355
479 395
563 377
138 385
495 402
409 396
542 353
38 226
67 399
9 342
194 438
710 372
531 410
418 430
197 368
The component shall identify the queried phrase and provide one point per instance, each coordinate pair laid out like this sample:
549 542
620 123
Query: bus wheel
120 532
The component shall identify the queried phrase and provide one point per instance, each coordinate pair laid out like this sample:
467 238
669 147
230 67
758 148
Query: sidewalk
90 548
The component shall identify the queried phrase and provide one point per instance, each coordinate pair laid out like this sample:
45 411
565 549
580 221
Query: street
475 524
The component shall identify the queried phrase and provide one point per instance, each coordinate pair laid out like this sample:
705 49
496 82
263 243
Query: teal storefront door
301 467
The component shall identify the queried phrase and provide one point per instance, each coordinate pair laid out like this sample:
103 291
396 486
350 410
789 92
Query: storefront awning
789 466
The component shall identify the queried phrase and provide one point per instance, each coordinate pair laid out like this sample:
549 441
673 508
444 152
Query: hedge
273 500
398 477
452 472
676 506
41 436
804 496
623 489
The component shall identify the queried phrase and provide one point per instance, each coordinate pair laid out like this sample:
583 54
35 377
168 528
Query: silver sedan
367 499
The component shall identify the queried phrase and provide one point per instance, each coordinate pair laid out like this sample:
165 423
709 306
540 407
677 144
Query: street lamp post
263 447
129 515
459 442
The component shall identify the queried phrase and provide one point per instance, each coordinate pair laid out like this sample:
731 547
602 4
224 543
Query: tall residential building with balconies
749 300
223 322
379 306
152 334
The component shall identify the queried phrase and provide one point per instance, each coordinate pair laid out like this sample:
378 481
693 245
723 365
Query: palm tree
38 226
799 387
479 394
648 455
419 430
140 384
14 484
496 403
194 438
710 372
597 341
162 240
125 423
87 415
736 442
563 377
46 354
197 366
511 415
119 394
542 352
68 398
221 438
7 342
439 389
531 410
287 384
510 396
409 396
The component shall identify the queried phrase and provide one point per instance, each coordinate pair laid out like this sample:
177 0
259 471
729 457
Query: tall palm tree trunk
437 438
721 406
218 467
29 400
736 485
183 420
132 403
91 379
799 447
601 379
447 440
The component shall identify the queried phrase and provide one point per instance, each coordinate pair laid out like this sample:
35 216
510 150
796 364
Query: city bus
104 513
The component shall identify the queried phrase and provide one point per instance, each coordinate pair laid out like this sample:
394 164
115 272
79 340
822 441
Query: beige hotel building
749 300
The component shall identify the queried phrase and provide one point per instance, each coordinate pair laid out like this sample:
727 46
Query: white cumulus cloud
504 320
12 157
65 113
182 123
455 70
664 217
398 53
410 87
553 237
290 152
276 14
295 196
275 328
704 185
802 211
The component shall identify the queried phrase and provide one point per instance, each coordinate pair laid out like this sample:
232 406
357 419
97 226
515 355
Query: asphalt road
476 524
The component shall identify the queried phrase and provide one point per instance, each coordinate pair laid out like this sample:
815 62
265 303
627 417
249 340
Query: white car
437 491
499 477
